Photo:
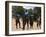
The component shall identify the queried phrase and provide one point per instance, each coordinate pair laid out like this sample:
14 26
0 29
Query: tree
20 10
17 10
30 11
37 12
14 11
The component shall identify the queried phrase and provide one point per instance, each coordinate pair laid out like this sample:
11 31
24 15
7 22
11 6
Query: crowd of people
27 19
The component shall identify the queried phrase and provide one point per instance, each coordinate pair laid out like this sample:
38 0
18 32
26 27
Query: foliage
37 12
30 11
20 10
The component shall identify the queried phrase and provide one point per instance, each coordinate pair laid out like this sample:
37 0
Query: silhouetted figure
39 22
26 20
31 22
17 21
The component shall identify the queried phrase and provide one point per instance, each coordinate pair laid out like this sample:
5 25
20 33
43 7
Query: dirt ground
20 29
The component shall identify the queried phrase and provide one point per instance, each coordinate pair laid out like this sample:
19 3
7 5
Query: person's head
26 10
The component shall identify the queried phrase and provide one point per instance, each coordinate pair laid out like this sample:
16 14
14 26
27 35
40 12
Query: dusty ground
19 29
